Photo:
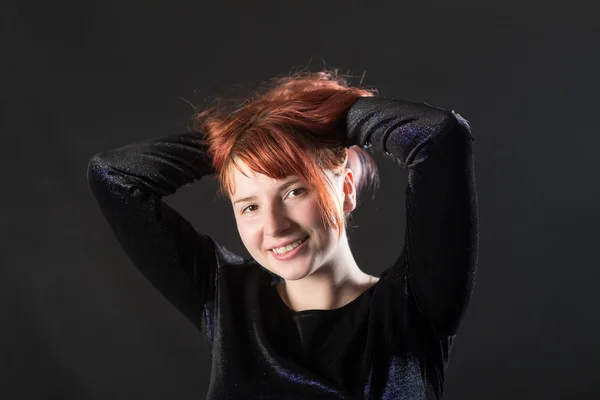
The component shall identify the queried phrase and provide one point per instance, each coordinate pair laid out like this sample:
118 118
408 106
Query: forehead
244 174
247 181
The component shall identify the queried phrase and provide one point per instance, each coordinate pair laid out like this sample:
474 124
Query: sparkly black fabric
391 342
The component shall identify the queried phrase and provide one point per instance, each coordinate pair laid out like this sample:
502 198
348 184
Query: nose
276 221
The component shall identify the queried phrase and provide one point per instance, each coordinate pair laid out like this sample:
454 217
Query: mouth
291 243
291 253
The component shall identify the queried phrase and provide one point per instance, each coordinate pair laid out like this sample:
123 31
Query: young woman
300 319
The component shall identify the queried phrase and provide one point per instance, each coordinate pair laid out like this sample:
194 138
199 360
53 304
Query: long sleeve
439 256
129 184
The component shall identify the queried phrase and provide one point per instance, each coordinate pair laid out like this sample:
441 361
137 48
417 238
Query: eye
245 208
301 190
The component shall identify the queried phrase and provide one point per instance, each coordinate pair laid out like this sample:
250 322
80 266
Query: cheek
327 237
246 235
251 238
309 214
314 218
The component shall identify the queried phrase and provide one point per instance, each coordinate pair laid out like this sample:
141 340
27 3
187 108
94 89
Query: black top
391 342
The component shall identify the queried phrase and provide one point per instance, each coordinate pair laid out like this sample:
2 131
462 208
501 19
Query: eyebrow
282 187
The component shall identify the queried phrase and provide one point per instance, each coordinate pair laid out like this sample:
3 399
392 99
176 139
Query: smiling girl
300 319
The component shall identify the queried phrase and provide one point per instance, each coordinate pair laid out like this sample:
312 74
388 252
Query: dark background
80 322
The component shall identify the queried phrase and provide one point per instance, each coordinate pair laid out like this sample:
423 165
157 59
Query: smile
289 251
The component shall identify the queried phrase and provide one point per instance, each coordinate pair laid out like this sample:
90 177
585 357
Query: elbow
454 140
457 126
96 168
450 141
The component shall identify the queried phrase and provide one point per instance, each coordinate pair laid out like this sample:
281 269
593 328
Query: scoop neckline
287 309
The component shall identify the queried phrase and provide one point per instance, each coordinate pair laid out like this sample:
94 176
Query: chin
293 275
290 271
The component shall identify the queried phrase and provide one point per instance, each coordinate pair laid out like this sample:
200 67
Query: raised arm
128 184
441 240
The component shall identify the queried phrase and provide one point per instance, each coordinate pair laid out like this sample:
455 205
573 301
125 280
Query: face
270 213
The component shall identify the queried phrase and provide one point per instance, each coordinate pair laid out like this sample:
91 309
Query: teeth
289 247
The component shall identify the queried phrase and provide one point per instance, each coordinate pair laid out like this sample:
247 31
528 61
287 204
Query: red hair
293 126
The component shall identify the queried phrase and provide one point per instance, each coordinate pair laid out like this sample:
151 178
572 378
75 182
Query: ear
349 190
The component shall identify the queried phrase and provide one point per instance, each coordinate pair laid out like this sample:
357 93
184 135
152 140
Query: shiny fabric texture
392 342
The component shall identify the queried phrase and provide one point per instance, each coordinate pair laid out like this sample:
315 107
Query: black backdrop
79 77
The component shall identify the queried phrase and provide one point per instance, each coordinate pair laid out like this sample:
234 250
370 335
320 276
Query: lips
292 254
286 243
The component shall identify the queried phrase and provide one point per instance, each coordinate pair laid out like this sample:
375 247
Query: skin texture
324 275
